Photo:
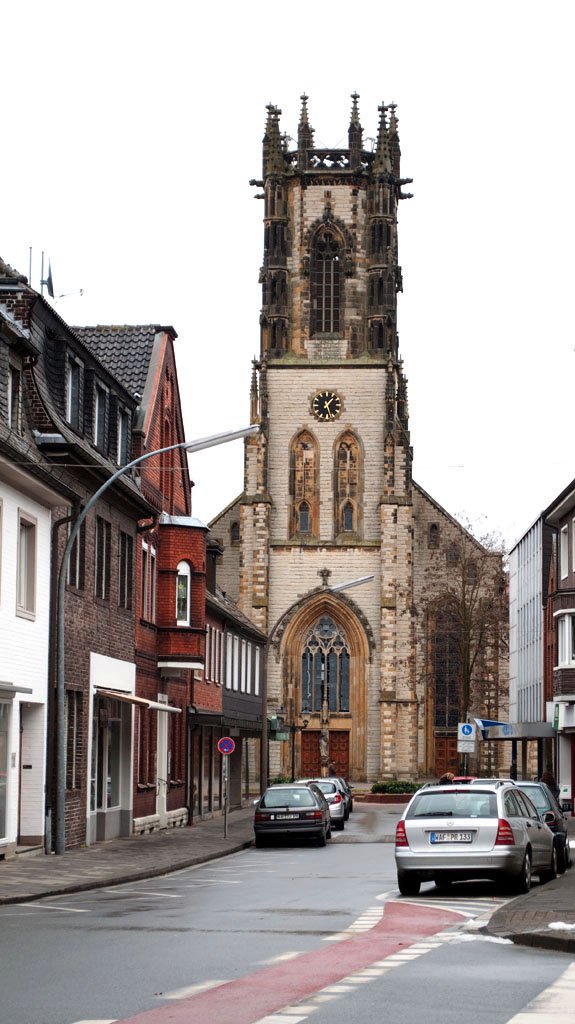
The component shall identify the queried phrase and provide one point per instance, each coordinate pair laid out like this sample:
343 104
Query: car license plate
451 837
286 817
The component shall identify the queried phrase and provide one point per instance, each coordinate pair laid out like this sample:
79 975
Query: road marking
51 906
553 1005
146 892
192 990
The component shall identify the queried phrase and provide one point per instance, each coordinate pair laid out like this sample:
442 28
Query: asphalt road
283 933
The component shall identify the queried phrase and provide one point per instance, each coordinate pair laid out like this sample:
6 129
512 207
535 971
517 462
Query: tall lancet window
303 486
348 484
326 282
325 668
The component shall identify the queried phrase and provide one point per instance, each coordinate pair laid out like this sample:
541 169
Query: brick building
328 494
170 575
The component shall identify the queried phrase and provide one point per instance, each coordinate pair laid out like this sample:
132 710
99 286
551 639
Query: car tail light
336 799
401 835
259 816
505 835
314 814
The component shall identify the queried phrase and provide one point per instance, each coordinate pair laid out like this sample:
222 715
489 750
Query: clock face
326 405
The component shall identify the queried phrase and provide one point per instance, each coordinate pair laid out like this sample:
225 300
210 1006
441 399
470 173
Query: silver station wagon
451 833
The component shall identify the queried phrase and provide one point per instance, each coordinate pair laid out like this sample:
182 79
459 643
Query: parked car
450 833
348 792
294 809
331 789
547 804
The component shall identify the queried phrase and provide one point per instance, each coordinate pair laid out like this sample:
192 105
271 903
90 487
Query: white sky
131 130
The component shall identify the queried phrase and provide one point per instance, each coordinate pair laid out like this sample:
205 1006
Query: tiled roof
124 350
6 271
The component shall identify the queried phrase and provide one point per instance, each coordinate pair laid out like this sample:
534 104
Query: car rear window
288 798
537 797
465 803
327 787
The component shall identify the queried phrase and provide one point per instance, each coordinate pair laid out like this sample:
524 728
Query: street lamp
189 446
335 589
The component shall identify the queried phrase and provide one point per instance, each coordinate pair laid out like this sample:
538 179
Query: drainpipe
51 730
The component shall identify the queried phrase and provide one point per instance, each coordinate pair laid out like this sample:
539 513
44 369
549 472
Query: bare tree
467 624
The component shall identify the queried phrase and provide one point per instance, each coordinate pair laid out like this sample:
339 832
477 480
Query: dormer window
73 384
183 594
14 398
100 416
123 437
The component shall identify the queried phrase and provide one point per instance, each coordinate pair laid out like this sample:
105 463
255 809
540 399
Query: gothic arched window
303 487
325 668
348 484
326 282
447 671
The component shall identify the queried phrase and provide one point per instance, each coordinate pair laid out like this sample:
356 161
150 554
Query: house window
257 671
148 583
125 570
183 594
73 377
123 437
235 533
103 558
564 553
26 566
229 661
100 416
76 562
566 641
144 581
243 667
326 282
73 738
237 666
14 399
573 545
152 584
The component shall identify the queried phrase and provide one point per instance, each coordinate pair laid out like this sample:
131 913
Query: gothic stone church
329 497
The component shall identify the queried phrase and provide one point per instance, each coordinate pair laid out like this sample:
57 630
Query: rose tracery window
326 282
325 668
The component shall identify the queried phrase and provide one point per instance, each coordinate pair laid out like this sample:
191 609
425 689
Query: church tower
369 676
328 495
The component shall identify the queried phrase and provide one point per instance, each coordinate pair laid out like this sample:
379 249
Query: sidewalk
525 920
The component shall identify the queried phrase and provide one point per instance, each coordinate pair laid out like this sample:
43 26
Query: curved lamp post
189 446
334 588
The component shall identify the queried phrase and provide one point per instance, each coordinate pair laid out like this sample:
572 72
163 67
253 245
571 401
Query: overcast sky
130 133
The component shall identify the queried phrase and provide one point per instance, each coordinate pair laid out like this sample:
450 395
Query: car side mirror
548 817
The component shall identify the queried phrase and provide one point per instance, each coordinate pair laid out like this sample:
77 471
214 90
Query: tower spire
304 135
382 159
394 149
273 147
355 133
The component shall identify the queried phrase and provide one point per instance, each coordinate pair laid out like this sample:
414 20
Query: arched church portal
325 655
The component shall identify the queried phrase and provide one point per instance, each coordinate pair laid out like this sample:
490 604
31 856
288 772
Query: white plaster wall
24 657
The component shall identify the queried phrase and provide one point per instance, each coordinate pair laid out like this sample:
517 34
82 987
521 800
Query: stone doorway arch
348 711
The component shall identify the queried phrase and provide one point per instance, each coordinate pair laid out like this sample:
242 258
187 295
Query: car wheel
523 881
568 857
329 831
260 842
407 885
340 825
551 873
562 857
322 838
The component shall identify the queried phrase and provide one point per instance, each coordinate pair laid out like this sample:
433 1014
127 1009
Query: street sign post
226 746
466 739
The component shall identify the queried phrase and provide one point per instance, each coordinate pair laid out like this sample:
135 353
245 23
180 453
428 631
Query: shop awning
140 702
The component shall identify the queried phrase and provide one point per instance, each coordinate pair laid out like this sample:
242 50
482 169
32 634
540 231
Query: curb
119 879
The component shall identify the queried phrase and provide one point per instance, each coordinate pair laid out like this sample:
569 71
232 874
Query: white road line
146 892
193 990
552 1006
50 906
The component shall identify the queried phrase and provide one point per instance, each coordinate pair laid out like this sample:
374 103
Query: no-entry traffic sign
226 745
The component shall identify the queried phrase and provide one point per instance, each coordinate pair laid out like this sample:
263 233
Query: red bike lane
248 999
